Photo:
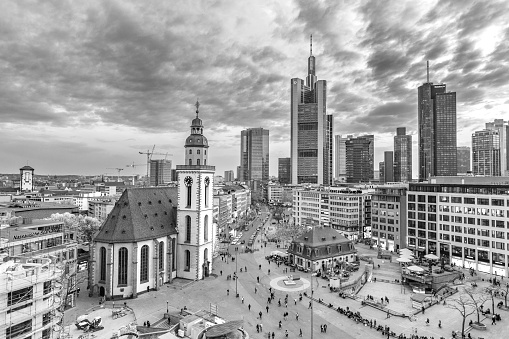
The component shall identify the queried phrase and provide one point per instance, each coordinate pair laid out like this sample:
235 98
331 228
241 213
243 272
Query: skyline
86 86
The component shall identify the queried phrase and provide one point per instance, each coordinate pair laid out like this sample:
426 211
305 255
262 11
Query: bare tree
477 300
505 291
462 304
491 291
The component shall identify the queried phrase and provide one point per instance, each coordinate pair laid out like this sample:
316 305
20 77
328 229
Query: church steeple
196 144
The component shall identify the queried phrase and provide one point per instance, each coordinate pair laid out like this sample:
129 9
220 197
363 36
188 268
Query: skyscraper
503 132
388 166
254 155
284 170
311 129
160 172
486 153
402 156
340 157
360 159
229 176
436 111
463 159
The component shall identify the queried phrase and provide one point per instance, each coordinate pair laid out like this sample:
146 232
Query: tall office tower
340 157
381 172
389 166
160 172
503 132
486 153
463 159
284 167
311 129
436 111
239 175
360 159
229 176
254 154
402 156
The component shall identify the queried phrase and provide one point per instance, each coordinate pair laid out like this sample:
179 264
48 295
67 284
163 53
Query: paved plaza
213 290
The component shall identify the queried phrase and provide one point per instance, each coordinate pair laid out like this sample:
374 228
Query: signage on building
34 234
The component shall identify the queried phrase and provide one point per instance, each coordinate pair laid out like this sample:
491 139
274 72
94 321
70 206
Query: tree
491 292
462 304
85 227
477 299
505 292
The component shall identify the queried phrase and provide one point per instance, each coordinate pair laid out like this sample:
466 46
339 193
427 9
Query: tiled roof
322 242
26 168
141 214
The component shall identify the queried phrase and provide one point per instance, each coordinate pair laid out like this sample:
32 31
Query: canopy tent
406 251
404 259
281 254
415 268
431 257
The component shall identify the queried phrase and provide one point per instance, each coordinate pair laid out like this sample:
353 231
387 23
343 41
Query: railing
194 167
423 279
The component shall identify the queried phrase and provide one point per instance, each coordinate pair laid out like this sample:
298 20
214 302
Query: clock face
188 181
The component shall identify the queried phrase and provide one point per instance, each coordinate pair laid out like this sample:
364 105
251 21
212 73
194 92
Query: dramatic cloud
86 85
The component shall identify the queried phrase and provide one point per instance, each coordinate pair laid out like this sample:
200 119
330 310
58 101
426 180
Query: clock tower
27 179
196 234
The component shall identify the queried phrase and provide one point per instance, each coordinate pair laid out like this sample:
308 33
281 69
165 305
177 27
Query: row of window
458 200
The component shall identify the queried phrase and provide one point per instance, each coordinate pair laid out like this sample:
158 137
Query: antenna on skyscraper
311 44
427 71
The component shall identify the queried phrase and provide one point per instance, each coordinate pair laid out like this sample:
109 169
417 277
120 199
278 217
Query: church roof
197 140
321 243
26 168
322 236
141 214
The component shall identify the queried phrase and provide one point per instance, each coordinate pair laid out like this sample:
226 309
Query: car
243 242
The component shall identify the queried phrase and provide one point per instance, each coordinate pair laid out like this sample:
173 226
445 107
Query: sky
86 85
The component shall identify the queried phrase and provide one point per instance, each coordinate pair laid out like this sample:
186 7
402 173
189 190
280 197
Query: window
102 263
421 198
444 199
122 266
411 206
144 264
411 215
411 197
188 228
456 200
497 202
46 287
483 201
161 255
207 184
190 151
173 256
187 260
470 201
190 161
458 219
205 255
446 237
20 296
432 199
18 329
198 151
198 162
46 318
206 228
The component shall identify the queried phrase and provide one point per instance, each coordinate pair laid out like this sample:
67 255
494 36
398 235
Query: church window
122 266
173 257
188 181
161 255
198 151
190 161
205 162
102 260
144 264
198 162
205 255
190 151
188 228
205 152
187 260
207 183
206 228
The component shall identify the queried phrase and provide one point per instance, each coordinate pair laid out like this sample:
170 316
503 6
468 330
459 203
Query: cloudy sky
86 85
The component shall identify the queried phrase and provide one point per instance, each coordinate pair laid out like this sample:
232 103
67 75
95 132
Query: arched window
188 228
198 151
188 181
190 151
122 266
102 260
205 152
207 183
206 228
187 260
205 255
205 162
190 161
144 264
198 162
173 256
161 255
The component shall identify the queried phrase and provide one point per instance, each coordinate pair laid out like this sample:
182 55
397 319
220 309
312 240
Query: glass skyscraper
254 155
486 153
402 156
360 159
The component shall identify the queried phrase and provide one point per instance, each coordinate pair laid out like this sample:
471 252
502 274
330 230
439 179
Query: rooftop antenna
311 44
427 70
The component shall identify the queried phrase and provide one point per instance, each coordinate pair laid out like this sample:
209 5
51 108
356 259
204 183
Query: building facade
502 127
284 170
486 153
402 156
360 157
254 155
464 223
160 172
229 176
388 166
463 160
311 129
340 157
436 112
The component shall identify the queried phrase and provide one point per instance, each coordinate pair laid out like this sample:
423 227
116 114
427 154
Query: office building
502 127
381 171
311 129
437 131
160 172
229 176
254 155
463 160
280 193
402 156
388 216
284 170
360 159
388 166
486 153
463 220
340 157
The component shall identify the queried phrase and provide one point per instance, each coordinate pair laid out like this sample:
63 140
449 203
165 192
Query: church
156 234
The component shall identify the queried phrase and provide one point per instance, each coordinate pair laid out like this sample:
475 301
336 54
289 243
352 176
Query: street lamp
236 270
167 310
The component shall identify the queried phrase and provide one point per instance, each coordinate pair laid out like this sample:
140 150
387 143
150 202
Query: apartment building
463 221
280 193
388 216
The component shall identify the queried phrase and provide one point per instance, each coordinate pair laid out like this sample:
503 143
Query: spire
197 105
427 71
311 44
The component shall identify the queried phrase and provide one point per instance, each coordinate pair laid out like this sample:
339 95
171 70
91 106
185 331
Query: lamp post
236 270
167 309
311 299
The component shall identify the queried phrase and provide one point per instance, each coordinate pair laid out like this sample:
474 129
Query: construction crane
118 171
149 157
133 165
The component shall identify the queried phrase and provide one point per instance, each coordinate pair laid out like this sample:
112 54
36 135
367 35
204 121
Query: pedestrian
273 335
245 268
269 271
388 314
261 327
260 314
148 323
258 279
440 324
286 333
423 309
256 289
279 302
286 304
260 267
144 324
324 328
279 324
297 316
221 272
257 328
309 305
300 332
249 307
267 308
493 319
321 328
227 292
295 300
242 299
